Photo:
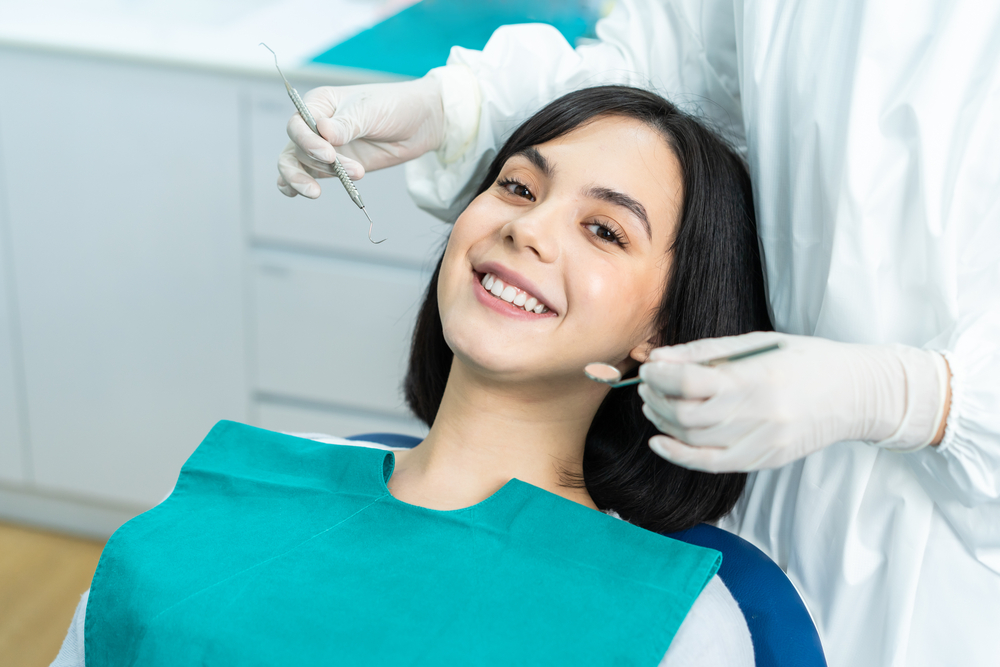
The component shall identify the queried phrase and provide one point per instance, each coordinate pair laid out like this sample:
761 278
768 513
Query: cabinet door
334 332
124 212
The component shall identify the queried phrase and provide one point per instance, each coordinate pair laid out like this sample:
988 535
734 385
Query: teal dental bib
273 550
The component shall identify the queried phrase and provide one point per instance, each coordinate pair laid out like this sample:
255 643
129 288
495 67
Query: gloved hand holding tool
769 410
374 126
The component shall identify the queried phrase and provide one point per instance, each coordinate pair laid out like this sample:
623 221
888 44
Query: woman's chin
495 363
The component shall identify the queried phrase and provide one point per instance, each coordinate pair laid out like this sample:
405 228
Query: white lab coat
872 130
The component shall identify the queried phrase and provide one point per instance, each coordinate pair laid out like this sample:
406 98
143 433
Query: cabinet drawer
334 331
332 222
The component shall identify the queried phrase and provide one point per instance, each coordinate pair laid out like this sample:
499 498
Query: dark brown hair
715 288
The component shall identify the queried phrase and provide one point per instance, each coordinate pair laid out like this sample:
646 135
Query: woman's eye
605 233
517 189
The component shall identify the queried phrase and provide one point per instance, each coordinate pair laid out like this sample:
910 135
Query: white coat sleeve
958 133
685 50
965 468
71 653
713 634
962 474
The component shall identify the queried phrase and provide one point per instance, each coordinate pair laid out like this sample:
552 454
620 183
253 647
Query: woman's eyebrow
621 199
537 159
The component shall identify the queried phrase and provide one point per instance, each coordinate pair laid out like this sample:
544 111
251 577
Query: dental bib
273 550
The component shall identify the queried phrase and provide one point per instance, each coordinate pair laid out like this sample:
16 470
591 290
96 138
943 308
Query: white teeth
511 294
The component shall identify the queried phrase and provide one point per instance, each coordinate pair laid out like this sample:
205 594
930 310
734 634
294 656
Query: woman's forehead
616 154
611 147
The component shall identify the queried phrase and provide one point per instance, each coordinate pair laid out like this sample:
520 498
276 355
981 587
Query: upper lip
515 279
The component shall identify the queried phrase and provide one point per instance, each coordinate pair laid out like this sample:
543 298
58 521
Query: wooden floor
42 576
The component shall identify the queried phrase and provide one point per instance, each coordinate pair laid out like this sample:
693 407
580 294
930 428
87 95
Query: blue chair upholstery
389 439
782 631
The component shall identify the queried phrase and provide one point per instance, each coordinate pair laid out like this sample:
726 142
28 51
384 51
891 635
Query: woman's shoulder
713 634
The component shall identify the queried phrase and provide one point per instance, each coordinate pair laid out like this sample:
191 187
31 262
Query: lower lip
499 305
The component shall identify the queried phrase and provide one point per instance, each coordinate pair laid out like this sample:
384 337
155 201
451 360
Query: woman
870 129
608 224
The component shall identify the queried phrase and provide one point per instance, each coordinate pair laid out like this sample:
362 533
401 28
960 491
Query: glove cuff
926 377
461 103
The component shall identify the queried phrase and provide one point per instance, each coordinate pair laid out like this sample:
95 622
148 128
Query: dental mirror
608 374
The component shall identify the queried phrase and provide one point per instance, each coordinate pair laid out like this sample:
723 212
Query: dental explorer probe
338 169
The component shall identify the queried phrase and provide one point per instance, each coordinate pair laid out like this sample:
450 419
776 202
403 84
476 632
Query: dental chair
782 631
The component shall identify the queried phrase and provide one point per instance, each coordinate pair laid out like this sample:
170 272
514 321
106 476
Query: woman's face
577 230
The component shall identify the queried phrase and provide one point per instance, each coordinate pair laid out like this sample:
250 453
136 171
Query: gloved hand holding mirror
772 409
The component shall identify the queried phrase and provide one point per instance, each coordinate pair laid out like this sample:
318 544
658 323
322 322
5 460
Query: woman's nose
537 231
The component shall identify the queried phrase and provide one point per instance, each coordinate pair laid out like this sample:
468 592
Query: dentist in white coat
872 131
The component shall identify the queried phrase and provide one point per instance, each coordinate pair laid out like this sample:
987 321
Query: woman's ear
641 352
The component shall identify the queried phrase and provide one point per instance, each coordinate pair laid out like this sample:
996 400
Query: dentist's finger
311 144
662 424
293 176
710 348
705 459
689 381
285 188
355 171
686 414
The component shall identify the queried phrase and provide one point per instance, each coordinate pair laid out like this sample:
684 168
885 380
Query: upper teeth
511 294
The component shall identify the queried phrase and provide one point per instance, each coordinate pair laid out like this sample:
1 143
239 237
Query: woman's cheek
599 290
482 213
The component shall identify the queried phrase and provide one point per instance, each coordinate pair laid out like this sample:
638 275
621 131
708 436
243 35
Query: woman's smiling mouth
503 297
512 295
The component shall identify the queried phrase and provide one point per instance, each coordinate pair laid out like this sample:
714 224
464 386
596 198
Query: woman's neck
487 432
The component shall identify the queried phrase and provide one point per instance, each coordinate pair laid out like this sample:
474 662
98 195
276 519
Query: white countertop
215 34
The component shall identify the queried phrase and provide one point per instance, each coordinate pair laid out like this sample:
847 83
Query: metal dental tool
608 374
338 169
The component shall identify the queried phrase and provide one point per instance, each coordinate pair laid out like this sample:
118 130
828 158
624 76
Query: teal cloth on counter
420 37
273 550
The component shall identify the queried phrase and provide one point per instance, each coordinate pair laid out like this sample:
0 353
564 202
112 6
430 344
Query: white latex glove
378 125
769 410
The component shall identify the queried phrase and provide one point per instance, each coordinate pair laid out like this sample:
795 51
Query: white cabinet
335 332
123 203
